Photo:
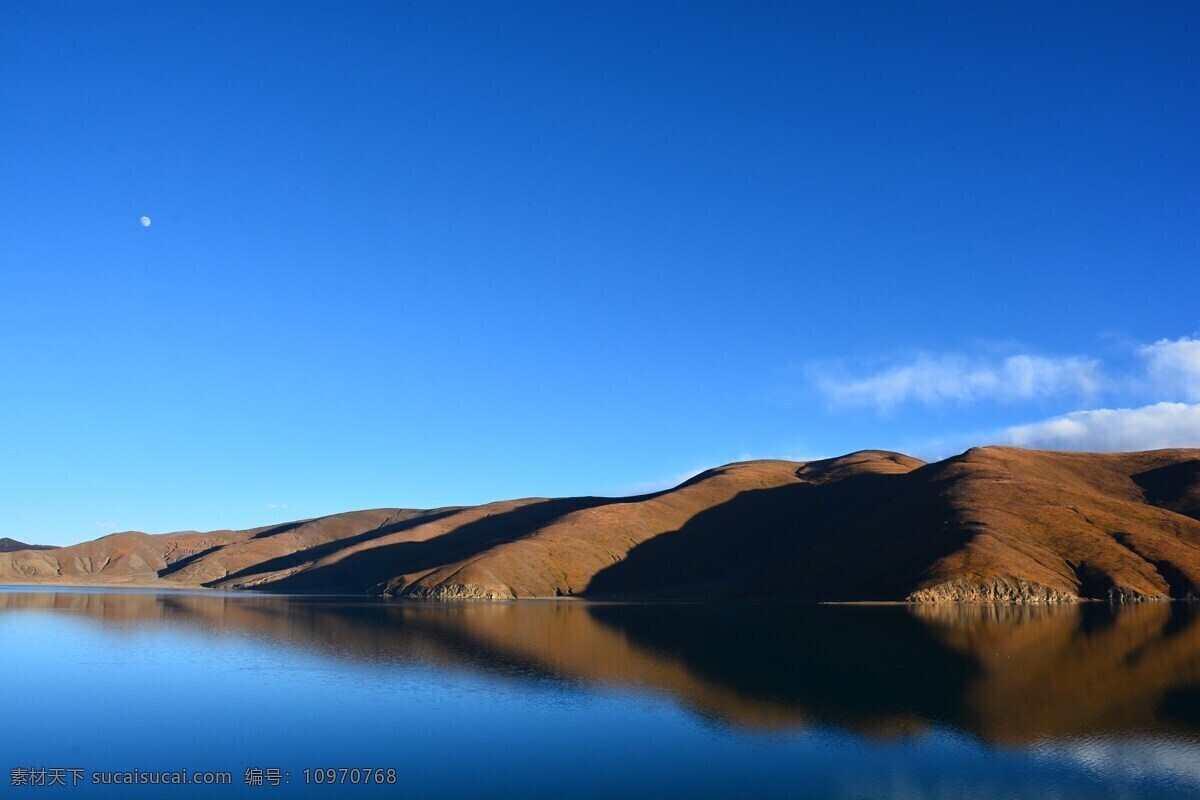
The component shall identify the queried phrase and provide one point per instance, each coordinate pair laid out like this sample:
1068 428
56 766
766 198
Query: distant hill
9 545
995 524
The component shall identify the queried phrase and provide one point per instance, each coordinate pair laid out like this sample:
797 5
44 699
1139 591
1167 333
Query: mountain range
992 524
8 545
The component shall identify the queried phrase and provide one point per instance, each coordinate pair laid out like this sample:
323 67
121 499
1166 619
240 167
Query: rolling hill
991 524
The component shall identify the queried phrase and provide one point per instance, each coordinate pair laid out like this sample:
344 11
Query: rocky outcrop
1009 590
997 590
1123 594
455 591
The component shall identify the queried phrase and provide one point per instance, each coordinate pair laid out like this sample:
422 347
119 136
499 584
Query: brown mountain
991 524
10 545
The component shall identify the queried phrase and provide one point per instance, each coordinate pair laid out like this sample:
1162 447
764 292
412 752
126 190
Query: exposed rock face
1121 594
456 591
997 590
994 524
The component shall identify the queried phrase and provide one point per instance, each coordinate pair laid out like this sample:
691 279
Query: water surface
554 700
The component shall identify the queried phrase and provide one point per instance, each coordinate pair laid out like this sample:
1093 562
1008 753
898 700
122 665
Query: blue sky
444 253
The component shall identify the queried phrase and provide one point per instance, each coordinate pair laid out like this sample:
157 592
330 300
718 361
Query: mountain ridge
990 524
8 545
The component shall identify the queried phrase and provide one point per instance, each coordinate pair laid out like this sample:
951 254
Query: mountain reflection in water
1008 675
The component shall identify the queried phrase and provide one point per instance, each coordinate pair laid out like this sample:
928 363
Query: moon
145 222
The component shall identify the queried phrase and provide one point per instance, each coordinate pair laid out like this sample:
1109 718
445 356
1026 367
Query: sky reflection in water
549 700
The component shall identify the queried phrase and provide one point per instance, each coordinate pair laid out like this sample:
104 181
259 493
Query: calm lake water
564 700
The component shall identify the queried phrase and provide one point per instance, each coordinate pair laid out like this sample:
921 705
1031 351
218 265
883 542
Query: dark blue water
558 700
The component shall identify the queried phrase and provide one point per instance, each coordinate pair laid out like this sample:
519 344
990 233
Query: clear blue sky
442 253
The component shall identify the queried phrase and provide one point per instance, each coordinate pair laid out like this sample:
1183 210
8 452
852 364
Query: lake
568 700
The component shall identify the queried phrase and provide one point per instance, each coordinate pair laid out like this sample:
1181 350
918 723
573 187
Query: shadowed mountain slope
991 524
11 545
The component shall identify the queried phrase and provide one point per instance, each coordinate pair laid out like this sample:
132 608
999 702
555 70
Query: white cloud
1174 366
1113 429
934 380
1169 372
277 505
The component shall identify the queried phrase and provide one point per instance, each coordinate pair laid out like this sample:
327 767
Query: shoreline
168 587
